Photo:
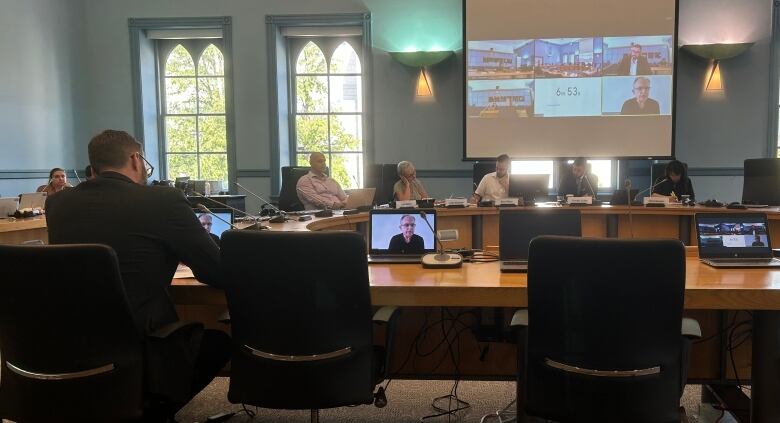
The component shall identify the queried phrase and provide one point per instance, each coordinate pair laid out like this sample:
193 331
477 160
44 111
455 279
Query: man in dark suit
634 63
576 181
152 229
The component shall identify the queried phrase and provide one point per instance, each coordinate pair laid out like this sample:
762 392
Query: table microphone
205 209
651 188
441 260
251 216
592 191
77 175
281 214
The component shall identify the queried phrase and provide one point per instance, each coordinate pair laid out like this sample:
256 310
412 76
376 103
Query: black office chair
301 320
288 195
480 170
69 349
382 177
604 343
761 184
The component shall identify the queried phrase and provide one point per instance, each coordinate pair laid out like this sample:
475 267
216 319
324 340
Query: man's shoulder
489 176
305 178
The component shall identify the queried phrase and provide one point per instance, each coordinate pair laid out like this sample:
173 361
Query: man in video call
641 103
208 222
757 241
634 63
577 181
407 241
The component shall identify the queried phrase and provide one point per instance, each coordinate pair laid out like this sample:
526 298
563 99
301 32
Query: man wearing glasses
151 229
407 242
641 103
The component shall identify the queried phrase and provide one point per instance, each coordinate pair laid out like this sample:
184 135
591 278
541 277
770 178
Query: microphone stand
592 191
282 215
205 209
441 259
255 219
650 189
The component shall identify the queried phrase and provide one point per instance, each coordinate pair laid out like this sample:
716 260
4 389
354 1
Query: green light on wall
430 25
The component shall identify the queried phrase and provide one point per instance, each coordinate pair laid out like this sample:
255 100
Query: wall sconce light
421 60
716 53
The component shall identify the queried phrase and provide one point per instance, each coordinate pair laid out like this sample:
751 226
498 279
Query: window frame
195 47
773 138
143 68
278 87
328 46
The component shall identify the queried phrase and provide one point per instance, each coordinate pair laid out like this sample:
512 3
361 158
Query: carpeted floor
408 401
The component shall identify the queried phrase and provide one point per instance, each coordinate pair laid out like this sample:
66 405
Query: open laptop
8 206
360 197
734 240
217 225
387 231
32 200
516 229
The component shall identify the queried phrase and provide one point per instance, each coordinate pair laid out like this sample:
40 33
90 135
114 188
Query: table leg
765 406
684 223
612 225
476 232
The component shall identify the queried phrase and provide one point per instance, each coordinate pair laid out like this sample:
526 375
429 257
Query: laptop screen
516 229
212 224
401 232
732 235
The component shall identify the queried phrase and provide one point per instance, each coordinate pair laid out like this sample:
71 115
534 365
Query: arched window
194 113
328 111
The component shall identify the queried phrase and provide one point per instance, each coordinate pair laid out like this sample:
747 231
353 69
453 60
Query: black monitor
530 187
516 228
761 182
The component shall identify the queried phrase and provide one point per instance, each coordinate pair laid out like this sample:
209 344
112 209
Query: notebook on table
8 206
516 229
32 200
734 240
400 236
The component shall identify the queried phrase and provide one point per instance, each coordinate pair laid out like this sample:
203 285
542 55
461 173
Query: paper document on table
183 272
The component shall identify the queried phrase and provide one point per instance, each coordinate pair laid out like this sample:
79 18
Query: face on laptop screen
402 232
213 225
730 235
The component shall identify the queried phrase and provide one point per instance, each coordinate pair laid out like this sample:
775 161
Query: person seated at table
675 183
576 181
316 190
407 242
58 181
495 185
408 186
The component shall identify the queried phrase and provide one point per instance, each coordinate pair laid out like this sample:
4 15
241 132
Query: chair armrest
385 314
519 319
171 328
690 328
224 317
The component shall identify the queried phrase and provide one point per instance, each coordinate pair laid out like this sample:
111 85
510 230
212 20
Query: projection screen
569 78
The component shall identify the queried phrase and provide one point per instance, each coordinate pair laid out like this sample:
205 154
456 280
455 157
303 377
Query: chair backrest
303 294
63 312
604 305
382 177
481 169
288 195
761 184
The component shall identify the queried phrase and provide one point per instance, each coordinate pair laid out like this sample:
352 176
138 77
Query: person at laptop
158 231
757 242
577 181
58 181
208 222
316 190
675 183
408 186
407 242
495 185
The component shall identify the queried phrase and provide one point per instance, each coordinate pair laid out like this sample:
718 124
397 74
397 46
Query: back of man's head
580 161
111 149
503 158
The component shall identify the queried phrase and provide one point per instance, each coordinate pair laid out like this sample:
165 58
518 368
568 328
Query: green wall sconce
716 53
421 60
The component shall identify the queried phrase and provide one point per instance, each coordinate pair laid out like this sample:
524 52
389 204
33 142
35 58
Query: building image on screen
402 233
508 59
567 58
592 71
504 99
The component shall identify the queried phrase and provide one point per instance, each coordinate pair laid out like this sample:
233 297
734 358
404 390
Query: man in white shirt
634 63
316 190
494 185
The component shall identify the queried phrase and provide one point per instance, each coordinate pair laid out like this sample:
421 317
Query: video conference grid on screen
565 77
384 227
733 235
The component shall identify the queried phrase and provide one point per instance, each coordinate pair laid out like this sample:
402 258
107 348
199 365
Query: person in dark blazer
634 63
152 229
575 180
